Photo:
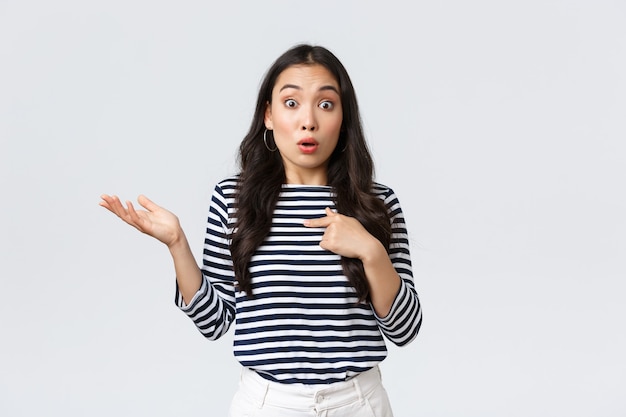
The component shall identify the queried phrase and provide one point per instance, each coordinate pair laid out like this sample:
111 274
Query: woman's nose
309 122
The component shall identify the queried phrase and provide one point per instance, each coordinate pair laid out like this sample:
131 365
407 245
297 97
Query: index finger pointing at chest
321 221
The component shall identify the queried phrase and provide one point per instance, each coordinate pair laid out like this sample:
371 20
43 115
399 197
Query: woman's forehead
306 76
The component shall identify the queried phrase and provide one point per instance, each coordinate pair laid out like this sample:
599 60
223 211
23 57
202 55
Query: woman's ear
268 116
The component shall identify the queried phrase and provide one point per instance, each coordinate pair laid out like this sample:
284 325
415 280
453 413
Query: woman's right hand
154 221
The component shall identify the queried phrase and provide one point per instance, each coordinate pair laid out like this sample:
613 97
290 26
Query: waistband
298 396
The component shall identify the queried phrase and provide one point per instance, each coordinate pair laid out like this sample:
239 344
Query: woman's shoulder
382 191
389 198
228 185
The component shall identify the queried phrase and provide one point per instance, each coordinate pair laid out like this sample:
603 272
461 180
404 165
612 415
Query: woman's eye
326 105
291 103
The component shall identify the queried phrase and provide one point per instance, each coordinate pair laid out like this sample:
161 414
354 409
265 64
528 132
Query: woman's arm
347 237
384 282
164 226
389 276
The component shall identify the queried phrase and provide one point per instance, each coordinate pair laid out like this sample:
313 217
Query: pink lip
307 145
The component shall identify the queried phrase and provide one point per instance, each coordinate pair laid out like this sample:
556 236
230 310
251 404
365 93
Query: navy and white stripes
303 324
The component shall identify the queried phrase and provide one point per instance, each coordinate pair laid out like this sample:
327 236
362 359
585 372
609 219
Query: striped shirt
303 323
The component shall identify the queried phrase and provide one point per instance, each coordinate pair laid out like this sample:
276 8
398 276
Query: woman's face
305 116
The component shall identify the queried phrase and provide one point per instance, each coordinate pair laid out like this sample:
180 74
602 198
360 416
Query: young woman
303 251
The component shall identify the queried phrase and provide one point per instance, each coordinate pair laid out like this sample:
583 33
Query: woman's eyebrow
290 86
329 87
297 87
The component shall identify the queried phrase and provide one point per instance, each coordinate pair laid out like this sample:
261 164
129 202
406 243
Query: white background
500 125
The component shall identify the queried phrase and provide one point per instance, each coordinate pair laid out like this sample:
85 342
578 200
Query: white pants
361 396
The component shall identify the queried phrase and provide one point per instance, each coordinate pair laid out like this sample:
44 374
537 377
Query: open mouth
307 142
308 145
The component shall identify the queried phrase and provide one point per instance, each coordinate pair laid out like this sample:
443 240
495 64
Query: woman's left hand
344 235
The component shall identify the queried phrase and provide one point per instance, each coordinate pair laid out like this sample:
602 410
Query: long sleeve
212 308
403 322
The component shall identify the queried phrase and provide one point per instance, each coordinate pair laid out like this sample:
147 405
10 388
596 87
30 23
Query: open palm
154 221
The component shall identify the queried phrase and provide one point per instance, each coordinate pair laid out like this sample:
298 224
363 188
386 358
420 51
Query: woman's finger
147 203
320 222
113 204
105 204
132 214
117 206
135 219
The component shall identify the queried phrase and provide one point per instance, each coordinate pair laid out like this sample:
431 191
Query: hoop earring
265 142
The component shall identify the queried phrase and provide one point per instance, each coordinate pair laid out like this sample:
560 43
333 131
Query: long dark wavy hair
262 175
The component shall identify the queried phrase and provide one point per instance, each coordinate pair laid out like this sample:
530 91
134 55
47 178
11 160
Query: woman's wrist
373 252
178 242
